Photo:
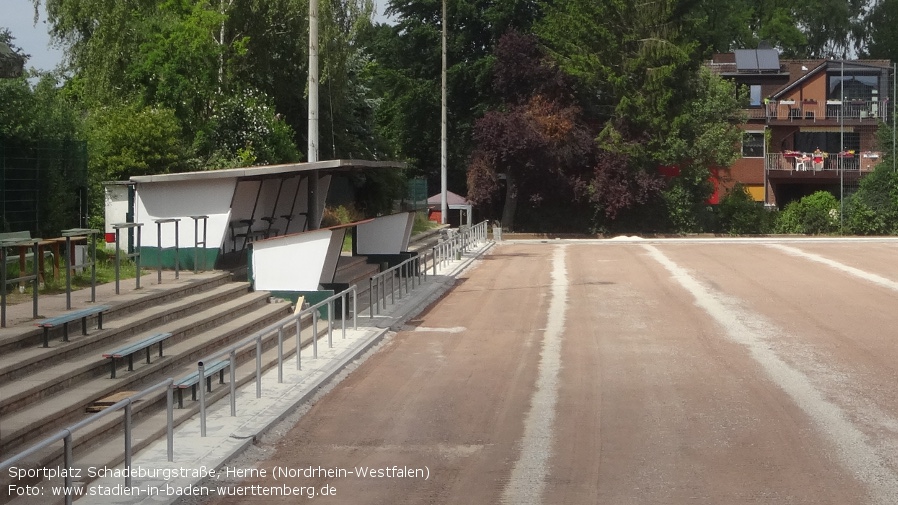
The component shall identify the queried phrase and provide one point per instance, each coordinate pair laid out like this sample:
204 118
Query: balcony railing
850 110
804 162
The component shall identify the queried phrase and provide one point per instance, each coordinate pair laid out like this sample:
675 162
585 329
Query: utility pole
444 206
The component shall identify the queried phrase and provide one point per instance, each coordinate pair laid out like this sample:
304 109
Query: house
811 124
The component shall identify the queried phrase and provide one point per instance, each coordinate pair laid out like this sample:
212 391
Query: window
754 95
857 86
753 145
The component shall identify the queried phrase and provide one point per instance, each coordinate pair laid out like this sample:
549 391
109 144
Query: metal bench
193 379
132 349
68 317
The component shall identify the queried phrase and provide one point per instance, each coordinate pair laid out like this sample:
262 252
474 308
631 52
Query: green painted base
205 258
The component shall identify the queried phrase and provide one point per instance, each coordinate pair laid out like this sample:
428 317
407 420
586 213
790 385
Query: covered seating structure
241 205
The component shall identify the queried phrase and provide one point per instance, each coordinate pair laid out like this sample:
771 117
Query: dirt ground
668 372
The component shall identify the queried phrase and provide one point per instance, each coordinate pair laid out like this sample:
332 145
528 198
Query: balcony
830 164
830 110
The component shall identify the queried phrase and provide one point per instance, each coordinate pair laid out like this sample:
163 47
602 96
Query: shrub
814 214
739 214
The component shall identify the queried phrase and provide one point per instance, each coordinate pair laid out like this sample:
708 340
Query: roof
797 70
802 70
268 170
451 199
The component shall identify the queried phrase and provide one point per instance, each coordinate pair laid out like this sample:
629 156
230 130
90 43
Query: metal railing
858 162
34 277
258 337
197 242
159 223
135 254
66 435
411 267
857 110
88 233
449 249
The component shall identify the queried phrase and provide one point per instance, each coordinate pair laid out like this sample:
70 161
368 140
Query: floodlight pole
313 81
312 217
444 207
842 151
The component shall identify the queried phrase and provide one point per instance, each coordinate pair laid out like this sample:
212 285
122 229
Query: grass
423 224
105 274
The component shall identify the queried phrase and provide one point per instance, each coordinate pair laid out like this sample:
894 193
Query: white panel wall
116 211
182 199
384 235
290 263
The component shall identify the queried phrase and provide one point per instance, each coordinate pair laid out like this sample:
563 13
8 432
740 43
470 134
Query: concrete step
24 361
68 406
43 382
356 271
12 339
100 444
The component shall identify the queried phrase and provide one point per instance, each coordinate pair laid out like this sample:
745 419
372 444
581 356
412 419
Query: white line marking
454 329
750 330
528 477
857 272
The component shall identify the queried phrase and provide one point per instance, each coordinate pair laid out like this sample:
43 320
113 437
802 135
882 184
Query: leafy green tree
798 29
406 73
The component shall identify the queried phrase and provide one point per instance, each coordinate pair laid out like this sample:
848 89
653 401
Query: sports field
621 372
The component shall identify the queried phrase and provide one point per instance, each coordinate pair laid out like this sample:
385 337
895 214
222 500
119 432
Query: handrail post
170 423
344 299
259 367
370 299
128 445
280 355
68 461
355 307
232 377
315 333
201 385
117 251
197 242
2 287
299 341
36 281
159 223
330 324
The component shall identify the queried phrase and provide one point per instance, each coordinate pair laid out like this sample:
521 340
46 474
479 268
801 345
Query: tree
406 73
536 140
12 58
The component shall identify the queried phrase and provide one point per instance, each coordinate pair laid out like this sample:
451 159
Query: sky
18 16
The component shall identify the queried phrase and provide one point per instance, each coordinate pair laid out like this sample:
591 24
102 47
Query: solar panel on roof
746 60
768 59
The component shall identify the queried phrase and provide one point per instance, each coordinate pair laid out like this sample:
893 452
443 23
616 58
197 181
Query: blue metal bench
132 349
68 317
193 379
